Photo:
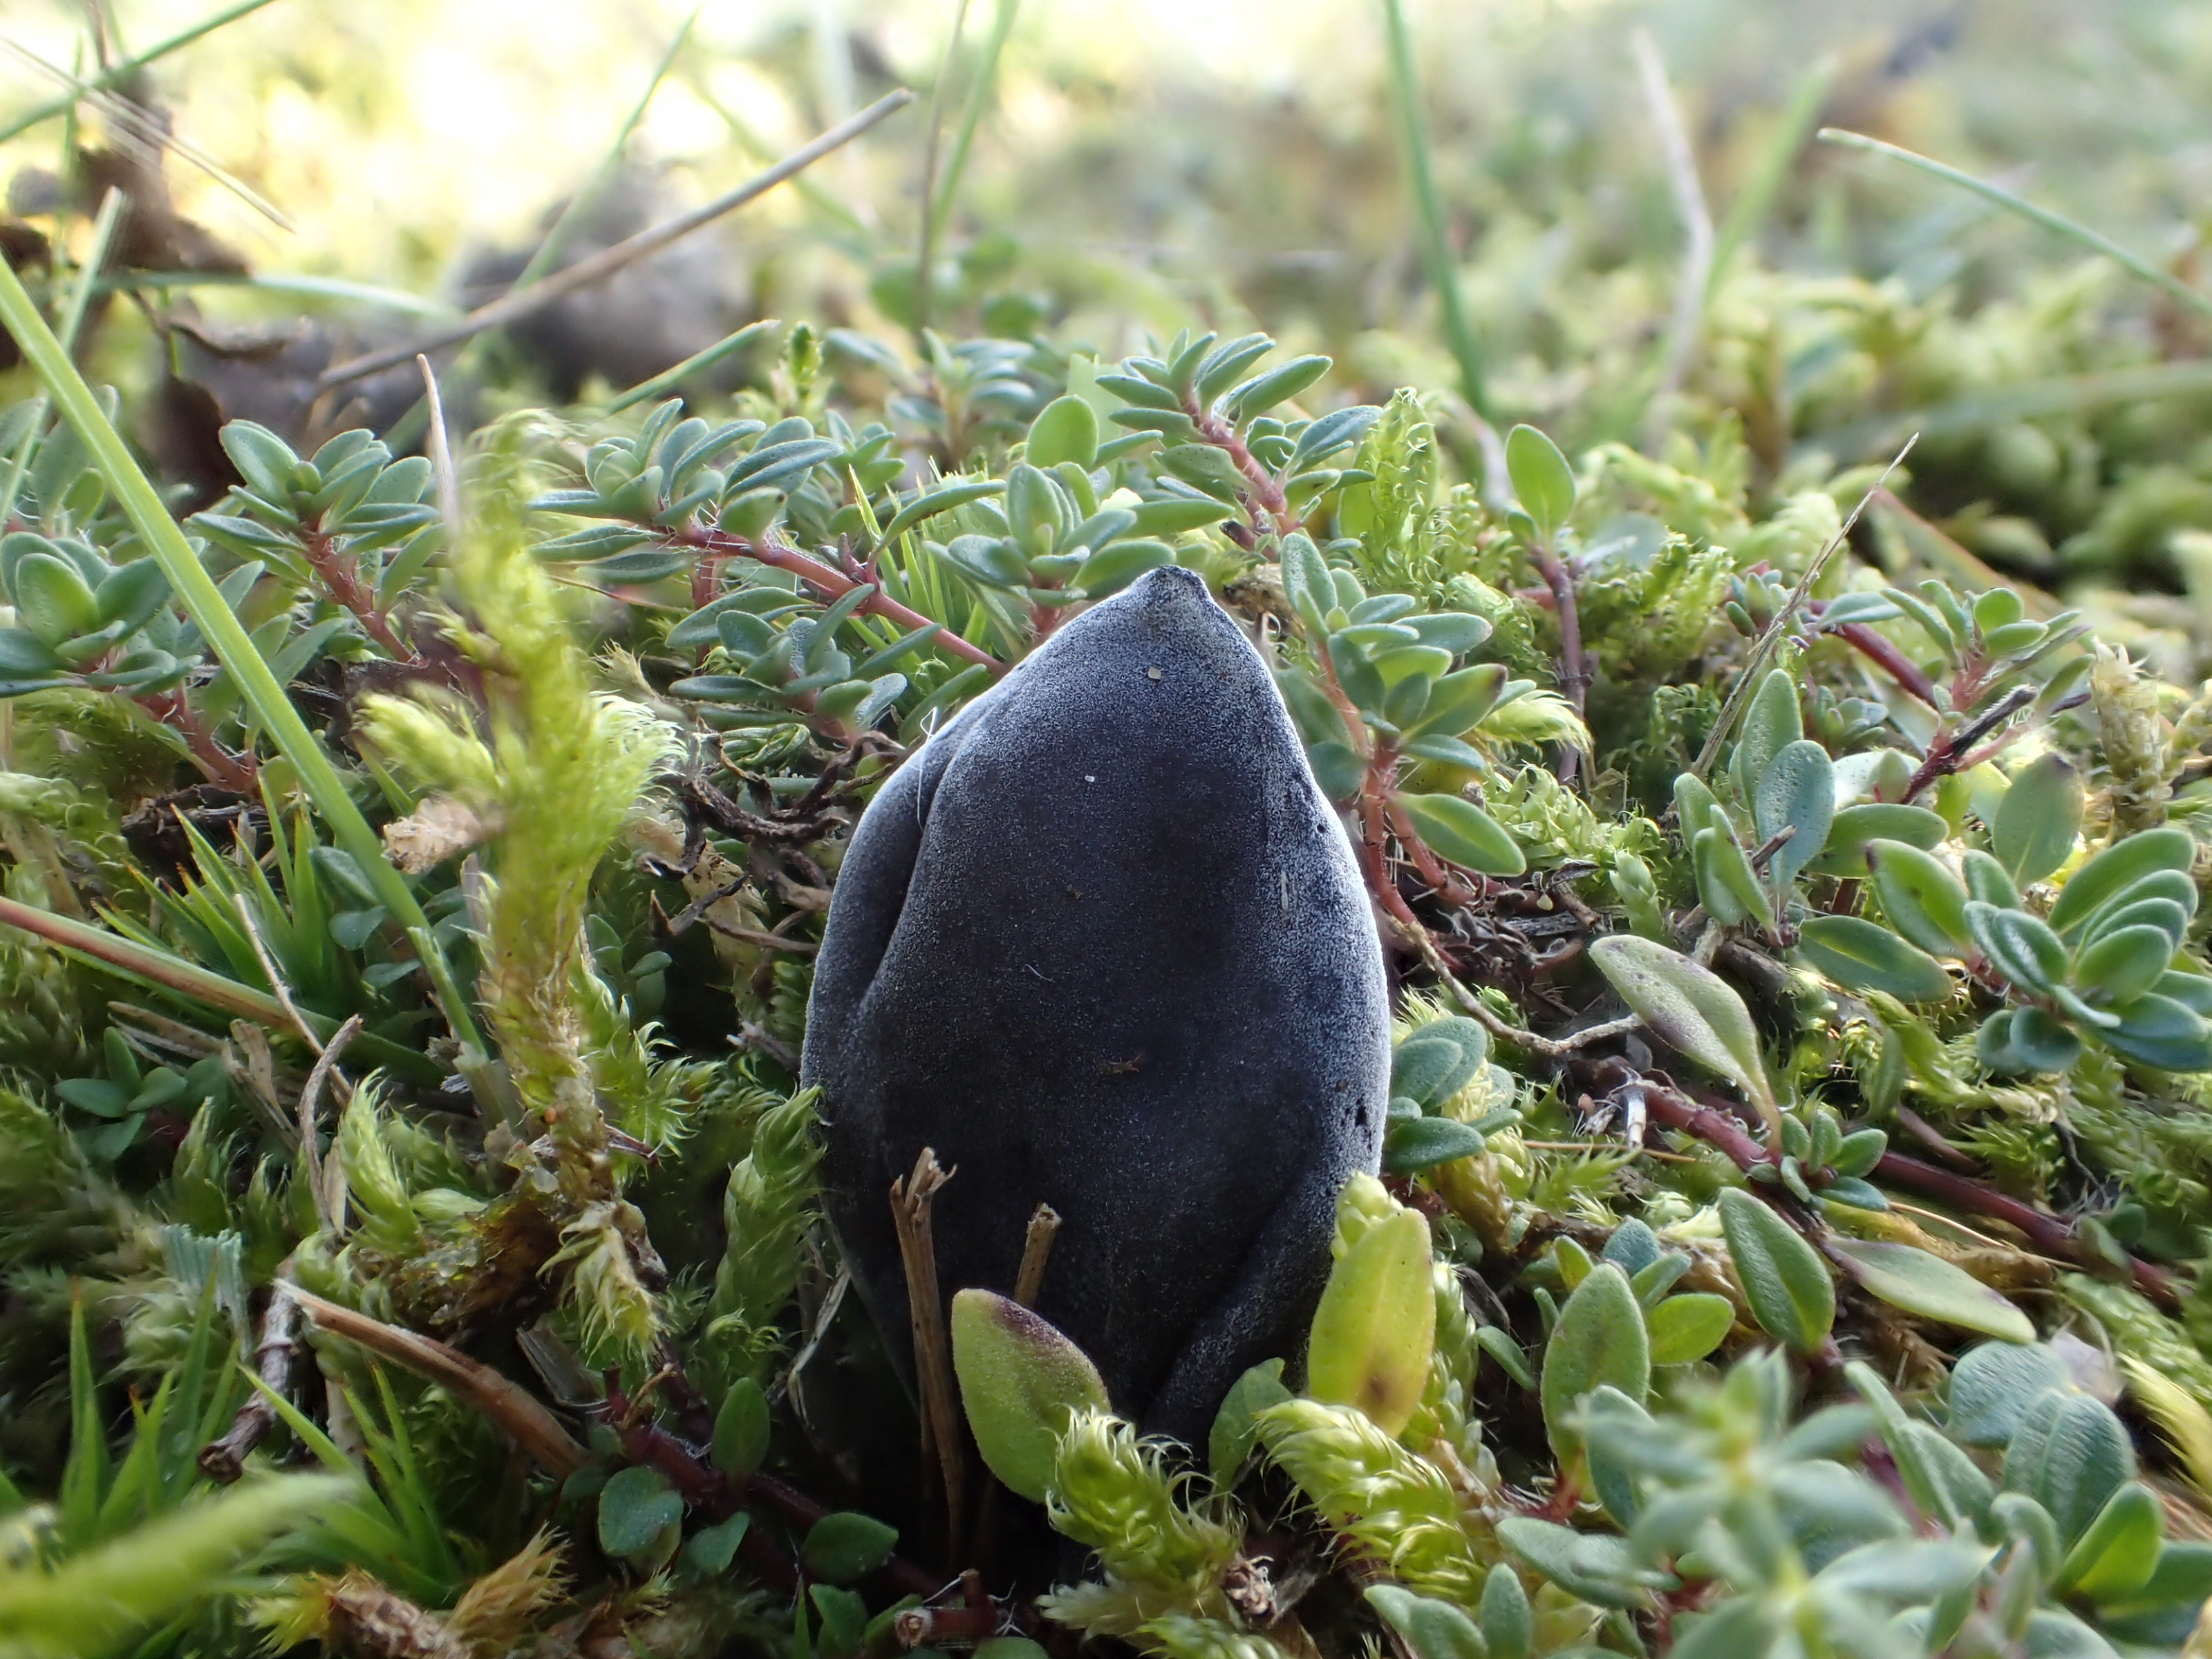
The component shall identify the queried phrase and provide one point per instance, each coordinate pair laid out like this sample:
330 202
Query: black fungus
1103 944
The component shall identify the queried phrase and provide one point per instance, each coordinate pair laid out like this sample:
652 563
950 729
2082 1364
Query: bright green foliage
766 1210
1795 938
1162 1553
1376 1493
1021 1382
1375 1329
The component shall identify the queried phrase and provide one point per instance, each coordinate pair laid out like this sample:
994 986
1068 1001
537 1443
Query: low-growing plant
1789 1231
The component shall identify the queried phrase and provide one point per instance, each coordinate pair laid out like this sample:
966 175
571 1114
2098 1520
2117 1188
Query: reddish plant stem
1574 676
712 1492
1432 868
705 575
1266 495
1378 865
1924 1132
829 585
1673 1110
1374 789
1952 750
340 575
2046 1233
1891 660
217 763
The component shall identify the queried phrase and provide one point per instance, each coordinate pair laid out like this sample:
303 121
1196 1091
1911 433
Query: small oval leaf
1541 478
1688 1327
1599 1340
1377 1323
1924 1283
1784 1278
1020 1381
2038 819
1065 429
1862 955
1691 1008
1464 833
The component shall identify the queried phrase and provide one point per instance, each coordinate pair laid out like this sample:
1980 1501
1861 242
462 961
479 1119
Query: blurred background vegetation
1139 166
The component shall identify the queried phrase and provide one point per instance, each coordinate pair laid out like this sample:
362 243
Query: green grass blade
556 240
971 111
84 1476
199 1376
2165 281
1428 207
1749 209
103 233
96 1604
312 287
692 365
116 74
755 143
2024 400
133 1496
223 631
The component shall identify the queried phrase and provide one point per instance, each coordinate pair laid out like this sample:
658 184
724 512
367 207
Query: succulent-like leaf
1464 833
1784 1278
1862 955
1434 1628
2040 816
1065 429
1727 884
2119 1552
1235 1425
1599 1341
845 1546
637 1510
1541 478
2117 868
1797 793
2020 946
1688 1327
741 1429
1771 724
1691 1008
1920 1283
1376 1325
1920 898
1020 1382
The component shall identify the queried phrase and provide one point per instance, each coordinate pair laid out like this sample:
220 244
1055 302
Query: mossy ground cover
1744 588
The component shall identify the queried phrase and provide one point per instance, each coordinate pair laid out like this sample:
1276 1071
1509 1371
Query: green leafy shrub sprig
1672 1324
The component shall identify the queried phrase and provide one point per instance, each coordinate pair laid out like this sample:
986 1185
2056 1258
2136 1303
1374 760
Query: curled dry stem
326 1070
224 1461
523 1419
1543 1047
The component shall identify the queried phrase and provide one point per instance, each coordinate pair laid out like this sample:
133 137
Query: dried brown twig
224 1461
1036 1250
310 1098
585 273
942 1446
1543 1047
524 1419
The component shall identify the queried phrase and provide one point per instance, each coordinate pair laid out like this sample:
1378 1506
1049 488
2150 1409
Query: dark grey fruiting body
1103 944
